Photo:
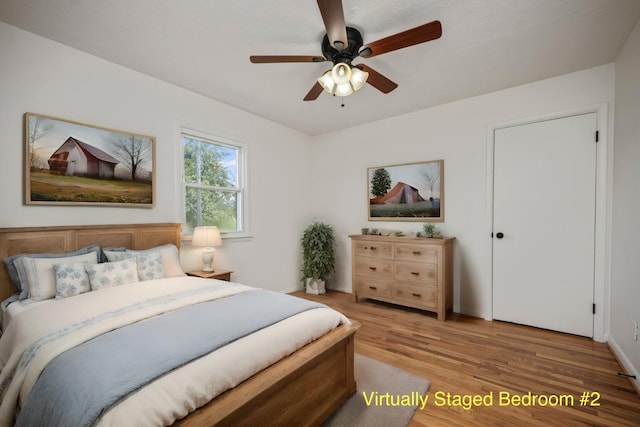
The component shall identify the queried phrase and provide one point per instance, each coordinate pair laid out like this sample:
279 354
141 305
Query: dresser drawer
415 252
416 273
373 249
370 287
415 295
380 268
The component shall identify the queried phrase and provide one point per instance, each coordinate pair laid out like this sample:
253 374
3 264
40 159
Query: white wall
44 77
625 265
458 133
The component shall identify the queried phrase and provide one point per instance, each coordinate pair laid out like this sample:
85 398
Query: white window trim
243 176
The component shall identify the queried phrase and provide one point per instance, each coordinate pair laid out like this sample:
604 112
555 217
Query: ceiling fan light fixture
326 81
343 89
358 78
341 73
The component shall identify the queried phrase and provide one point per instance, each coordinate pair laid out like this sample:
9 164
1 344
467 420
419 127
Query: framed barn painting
70 163
407 192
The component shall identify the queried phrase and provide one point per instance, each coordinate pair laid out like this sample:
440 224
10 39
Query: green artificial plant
318 251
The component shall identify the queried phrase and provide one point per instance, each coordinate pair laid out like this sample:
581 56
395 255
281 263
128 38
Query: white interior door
544 209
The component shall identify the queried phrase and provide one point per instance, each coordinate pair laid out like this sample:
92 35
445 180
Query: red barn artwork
78 158
401 193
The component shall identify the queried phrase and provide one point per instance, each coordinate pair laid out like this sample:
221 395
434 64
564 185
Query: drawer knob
372 288
417 252
415 273
373 268
416 295
373 248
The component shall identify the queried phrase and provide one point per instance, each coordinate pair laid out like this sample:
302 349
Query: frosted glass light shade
341 73
327 82
358 78
343 89
343 80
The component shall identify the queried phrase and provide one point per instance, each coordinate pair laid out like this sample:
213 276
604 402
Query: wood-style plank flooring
467 356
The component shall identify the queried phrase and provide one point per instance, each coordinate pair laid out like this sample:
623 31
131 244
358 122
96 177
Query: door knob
499 235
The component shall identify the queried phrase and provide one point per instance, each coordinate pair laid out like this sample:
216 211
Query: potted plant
318 256
430 230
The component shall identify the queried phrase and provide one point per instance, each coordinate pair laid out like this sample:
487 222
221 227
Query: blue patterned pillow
71 279
116 255
150 266
110 274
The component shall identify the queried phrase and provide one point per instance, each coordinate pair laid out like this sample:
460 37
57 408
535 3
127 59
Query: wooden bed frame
301 389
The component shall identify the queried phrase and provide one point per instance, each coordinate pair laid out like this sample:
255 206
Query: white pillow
40 277
110 274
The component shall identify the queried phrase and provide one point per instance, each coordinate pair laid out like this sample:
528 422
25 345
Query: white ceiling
204 46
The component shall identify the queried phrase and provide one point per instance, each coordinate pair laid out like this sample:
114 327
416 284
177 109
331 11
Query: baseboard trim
624 361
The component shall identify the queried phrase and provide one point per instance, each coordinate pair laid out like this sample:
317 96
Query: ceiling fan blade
377 80
417 35
314 93
268 59
333 17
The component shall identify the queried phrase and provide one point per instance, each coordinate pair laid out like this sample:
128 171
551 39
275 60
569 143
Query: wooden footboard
300 390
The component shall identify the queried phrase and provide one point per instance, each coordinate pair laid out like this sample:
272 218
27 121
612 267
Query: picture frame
72 163
406 192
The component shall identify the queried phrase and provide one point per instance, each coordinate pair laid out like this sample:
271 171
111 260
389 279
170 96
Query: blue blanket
78 385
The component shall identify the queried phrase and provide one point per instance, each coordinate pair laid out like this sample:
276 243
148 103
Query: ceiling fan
342 44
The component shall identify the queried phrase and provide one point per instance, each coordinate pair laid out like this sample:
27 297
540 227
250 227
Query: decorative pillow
117 255
170 259
71 279
103 252
10 265
110 274
38 274
150 266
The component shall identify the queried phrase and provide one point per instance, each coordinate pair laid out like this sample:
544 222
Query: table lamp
208 237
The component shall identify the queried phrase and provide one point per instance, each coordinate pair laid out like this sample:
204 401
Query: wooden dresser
410 271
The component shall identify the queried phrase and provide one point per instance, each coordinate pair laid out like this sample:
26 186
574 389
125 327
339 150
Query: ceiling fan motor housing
347 54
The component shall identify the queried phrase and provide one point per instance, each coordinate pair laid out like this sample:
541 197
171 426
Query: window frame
242 217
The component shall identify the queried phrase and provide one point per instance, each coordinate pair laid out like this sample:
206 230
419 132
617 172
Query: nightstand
219 274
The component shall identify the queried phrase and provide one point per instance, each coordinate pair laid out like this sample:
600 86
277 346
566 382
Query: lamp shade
206 236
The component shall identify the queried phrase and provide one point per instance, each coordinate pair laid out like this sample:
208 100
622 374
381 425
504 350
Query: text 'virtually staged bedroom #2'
480 184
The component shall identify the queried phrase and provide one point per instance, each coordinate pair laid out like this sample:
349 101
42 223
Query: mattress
168 397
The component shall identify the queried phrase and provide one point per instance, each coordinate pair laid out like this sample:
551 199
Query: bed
304 387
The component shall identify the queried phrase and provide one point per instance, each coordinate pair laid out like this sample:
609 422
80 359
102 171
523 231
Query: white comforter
62 324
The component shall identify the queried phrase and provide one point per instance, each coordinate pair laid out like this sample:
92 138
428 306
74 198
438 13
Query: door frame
604 169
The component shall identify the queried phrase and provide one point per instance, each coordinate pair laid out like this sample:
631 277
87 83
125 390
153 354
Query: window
214 188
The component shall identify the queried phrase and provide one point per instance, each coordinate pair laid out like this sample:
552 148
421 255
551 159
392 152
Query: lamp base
207 259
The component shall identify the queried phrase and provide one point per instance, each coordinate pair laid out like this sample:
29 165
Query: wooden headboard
26 240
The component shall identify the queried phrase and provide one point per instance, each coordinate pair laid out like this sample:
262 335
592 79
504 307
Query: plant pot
315 286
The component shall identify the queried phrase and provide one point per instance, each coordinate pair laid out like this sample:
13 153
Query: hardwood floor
471 358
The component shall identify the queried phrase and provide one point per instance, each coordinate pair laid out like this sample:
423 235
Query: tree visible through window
213 183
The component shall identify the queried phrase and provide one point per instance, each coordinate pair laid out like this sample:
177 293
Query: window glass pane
211 207
214 188
229 161
210 164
